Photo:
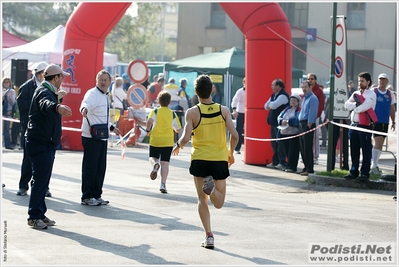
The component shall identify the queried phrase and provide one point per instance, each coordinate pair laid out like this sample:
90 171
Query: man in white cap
43 136
384 108
24 100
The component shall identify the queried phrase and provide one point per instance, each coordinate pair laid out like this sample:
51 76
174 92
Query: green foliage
136 38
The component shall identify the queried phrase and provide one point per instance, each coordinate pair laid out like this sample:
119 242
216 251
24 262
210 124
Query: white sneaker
153 174
163 188
209 185
102 201
376 171
91 202
280 167
271 165
209 242
316 162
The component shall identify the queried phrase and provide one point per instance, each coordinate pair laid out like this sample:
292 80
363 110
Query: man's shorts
163 153
219 170
381 127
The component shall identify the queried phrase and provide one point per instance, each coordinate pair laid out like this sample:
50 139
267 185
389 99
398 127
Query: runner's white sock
375 157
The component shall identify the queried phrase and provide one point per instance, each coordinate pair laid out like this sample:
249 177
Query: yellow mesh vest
209 139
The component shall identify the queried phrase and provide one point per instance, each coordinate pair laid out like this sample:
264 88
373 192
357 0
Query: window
296 13
218 16
356 15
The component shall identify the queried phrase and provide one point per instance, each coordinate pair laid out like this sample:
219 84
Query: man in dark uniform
24 99
43 136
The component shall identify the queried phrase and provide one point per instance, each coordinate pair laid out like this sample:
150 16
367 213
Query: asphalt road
269 217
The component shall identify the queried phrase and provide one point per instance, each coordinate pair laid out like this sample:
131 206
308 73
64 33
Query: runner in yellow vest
211 158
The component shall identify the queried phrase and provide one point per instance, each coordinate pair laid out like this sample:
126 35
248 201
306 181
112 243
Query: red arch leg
85 33
267 57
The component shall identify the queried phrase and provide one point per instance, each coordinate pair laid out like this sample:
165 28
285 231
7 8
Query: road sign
339 67
137 96
340 34
138 71
310 34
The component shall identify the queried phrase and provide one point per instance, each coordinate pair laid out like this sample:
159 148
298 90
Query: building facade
371 35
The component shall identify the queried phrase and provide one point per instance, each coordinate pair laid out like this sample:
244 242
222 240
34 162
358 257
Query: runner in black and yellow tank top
209 139
210 156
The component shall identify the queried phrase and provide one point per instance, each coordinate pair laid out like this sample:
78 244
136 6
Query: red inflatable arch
268 56
85 33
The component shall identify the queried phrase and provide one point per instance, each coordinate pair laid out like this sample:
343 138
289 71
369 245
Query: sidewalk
269 217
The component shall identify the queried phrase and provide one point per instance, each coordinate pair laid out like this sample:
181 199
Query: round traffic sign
138 71
339 34
339 67
137 96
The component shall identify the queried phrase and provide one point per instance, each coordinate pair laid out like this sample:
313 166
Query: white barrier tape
63 128
320 125
289 137
10 119
361 129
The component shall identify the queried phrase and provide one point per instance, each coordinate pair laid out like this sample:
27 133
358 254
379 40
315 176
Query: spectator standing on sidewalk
206 124
307 121
8 102
238 106
154 90
359 139
384 109
351 87
318 92
277 102
289 124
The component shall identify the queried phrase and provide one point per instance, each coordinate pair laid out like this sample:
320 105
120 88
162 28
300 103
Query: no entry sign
138 71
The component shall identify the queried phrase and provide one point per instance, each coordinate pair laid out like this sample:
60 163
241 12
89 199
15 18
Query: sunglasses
310 79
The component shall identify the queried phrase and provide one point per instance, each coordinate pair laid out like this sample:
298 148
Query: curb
334 181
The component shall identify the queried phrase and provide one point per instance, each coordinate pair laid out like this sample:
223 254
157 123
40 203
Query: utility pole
330 147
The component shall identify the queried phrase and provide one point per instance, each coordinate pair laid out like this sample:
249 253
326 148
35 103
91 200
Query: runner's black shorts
381 127
219 170
161 152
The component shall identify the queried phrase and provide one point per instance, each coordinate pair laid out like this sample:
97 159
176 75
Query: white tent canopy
48 48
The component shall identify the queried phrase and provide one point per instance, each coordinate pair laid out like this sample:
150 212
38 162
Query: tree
132 38
32 20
